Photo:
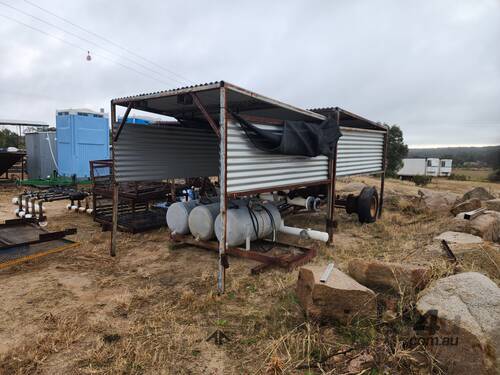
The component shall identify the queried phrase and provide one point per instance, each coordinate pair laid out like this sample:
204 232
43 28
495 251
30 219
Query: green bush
495 176
458 177
422 180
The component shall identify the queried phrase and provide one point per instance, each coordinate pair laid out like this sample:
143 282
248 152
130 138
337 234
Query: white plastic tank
240 226
201 221
178 214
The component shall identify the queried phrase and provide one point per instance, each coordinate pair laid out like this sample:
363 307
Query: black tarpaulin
298 137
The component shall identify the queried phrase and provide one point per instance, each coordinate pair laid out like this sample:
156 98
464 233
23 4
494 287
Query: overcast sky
432 67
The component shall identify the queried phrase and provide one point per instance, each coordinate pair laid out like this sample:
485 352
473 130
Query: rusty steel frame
279 187
284 261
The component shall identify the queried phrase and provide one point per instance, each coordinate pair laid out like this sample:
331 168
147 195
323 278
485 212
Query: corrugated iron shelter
207 141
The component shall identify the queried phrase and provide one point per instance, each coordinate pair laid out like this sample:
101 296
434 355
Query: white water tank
201 221
178 214
240 226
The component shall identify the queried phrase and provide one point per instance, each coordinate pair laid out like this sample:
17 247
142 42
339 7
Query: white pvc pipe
304 233
310 203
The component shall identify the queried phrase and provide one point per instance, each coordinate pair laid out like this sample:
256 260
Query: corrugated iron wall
161 152
360 152
151 153
248 168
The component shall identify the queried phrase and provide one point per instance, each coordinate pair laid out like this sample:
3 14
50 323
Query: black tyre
368 205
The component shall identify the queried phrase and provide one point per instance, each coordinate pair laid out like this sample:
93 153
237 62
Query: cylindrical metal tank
41 153
202 218
178 214
240 226
201 221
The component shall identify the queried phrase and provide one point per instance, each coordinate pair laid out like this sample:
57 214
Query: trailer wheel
368 205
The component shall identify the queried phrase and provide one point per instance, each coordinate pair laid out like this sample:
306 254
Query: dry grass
150 310
474 174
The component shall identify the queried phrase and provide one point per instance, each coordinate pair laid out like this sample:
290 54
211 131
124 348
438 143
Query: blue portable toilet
81 135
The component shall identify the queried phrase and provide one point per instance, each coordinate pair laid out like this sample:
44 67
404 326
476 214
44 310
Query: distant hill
487 156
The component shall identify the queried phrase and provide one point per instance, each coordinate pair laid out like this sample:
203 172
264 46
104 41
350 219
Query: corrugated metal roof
357 121
239 99
206 85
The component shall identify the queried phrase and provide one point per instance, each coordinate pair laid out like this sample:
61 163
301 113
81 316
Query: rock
479 192
459 243
466 310
341 298
466 206
389 276
459 238
486 225
437 200
493 204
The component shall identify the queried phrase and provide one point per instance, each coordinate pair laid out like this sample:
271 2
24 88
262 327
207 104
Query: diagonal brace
124 120
210 120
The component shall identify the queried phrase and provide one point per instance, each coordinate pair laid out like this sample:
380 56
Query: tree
8 138
396 150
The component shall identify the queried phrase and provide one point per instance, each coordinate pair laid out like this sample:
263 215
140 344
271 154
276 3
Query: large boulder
466 206
341 298
463 331
437 200
486 225
389 276
493 204
459 238
480 193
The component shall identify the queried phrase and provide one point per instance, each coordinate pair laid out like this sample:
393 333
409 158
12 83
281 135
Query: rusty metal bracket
122 123
210 120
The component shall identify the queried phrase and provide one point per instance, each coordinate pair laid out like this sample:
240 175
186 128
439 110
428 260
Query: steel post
114 230
382 176
223 190
332 171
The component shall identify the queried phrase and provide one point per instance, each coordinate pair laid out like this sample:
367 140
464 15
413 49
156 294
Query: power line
85 40
107 40
81 48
